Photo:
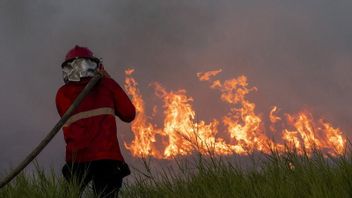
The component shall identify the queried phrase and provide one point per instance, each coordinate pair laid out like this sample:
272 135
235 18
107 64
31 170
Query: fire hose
53 132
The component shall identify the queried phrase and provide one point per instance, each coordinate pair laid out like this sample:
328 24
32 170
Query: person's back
92 149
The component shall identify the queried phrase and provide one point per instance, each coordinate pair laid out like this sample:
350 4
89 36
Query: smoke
298 55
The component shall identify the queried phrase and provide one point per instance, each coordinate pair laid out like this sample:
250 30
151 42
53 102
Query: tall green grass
284 175
39 184
258 175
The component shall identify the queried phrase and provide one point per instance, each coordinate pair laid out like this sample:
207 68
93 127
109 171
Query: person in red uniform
92 148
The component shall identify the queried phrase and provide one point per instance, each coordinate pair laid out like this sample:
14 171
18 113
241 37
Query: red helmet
79 52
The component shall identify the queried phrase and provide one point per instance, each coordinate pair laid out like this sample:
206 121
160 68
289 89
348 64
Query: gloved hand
102 71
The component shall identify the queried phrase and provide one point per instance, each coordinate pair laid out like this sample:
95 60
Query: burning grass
257 175
245 130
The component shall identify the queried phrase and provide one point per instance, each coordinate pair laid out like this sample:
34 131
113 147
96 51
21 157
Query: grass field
284 175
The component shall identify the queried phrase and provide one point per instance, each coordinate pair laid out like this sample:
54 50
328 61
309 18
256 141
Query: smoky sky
297 53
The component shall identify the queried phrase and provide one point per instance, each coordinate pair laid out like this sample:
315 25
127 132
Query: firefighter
92 148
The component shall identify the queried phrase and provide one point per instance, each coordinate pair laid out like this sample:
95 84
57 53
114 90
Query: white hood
79 68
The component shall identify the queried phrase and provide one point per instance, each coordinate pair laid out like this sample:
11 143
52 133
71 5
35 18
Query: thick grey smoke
297 55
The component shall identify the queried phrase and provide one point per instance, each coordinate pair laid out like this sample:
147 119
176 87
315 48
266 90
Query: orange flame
181 134
273 118
144 132
203 76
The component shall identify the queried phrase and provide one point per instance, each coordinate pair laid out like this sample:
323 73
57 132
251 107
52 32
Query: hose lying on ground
53 132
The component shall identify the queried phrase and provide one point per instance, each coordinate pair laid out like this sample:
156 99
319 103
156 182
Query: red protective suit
90 133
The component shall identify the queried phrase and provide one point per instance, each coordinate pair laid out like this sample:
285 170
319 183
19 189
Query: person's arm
124 108
62 103
58 102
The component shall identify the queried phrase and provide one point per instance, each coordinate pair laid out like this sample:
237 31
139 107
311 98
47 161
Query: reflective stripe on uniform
90 113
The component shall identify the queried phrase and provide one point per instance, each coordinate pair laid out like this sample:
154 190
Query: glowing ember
181 134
